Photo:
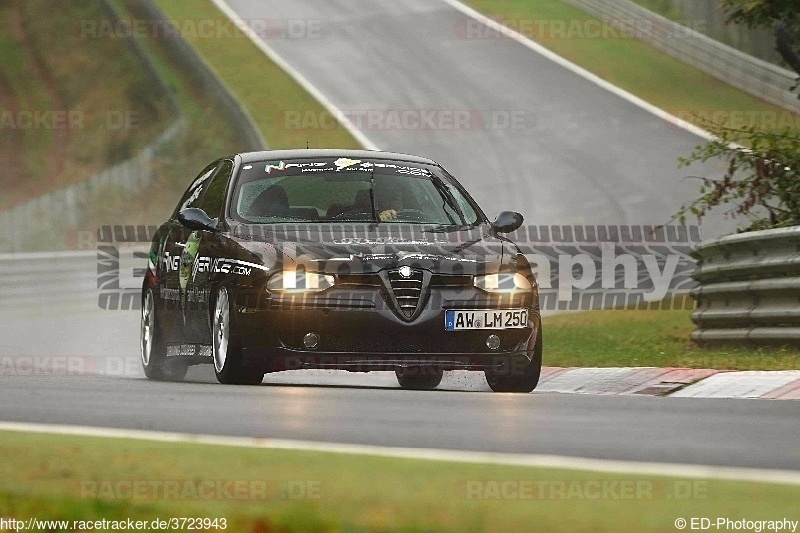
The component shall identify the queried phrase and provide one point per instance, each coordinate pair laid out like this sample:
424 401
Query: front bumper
363 331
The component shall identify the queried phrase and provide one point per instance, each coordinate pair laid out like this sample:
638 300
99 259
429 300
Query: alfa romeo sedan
338 259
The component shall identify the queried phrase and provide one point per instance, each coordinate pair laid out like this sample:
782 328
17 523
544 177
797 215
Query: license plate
455 320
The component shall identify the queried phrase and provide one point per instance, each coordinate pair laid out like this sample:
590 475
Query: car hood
370 248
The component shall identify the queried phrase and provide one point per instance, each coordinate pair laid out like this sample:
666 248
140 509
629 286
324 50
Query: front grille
364 280
407 290
451 280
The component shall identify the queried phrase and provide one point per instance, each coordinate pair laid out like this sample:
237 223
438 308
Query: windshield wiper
447 199
284 218
372 194
441 228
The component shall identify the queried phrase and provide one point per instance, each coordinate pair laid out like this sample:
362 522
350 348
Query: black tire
419 377
155 363
519 379
226 348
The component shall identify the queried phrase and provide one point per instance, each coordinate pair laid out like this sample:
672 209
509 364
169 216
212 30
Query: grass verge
70 105
263 88
176 163
84 478
271 96
637 67
648 338
266 90
179 160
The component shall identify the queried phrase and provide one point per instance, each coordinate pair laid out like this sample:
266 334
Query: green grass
269 94
637 67
49 67
263 88
648 338
73 478
175 165
97 56
181 159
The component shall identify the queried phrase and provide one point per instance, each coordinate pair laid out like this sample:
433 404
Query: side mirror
507 221
196 219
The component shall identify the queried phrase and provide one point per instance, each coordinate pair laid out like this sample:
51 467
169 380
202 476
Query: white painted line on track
785 477
580 71
296 75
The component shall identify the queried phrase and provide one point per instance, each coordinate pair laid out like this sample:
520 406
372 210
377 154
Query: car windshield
349 190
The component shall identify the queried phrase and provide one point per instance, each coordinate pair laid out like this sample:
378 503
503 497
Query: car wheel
227 350
155 363
519 380
419 377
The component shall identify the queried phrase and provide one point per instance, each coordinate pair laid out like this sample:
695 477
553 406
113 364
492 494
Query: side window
193 194
211 201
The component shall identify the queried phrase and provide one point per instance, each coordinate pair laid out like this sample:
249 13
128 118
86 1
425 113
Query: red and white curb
676 382
640 381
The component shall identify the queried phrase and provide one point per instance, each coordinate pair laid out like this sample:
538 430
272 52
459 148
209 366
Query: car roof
310 153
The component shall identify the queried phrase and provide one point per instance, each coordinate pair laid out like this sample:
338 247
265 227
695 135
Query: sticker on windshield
279 166
347 165
404 169
344 162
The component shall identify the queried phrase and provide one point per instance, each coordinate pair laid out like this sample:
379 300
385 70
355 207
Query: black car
338 259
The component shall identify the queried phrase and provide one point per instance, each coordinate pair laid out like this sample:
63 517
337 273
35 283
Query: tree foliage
761 13
780 16
761 184
762 179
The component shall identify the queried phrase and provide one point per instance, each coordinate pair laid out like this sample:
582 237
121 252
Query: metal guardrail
749 288
108 278
709 18
736 68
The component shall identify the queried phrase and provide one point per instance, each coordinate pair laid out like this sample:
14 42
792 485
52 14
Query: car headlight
505 282
299 281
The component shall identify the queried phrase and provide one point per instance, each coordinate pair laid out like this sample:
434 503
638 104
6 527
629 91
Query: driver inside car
389 205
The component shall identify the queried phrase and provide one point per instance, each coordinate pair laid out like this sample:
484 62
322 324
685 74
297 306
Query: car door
173 250
204 248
